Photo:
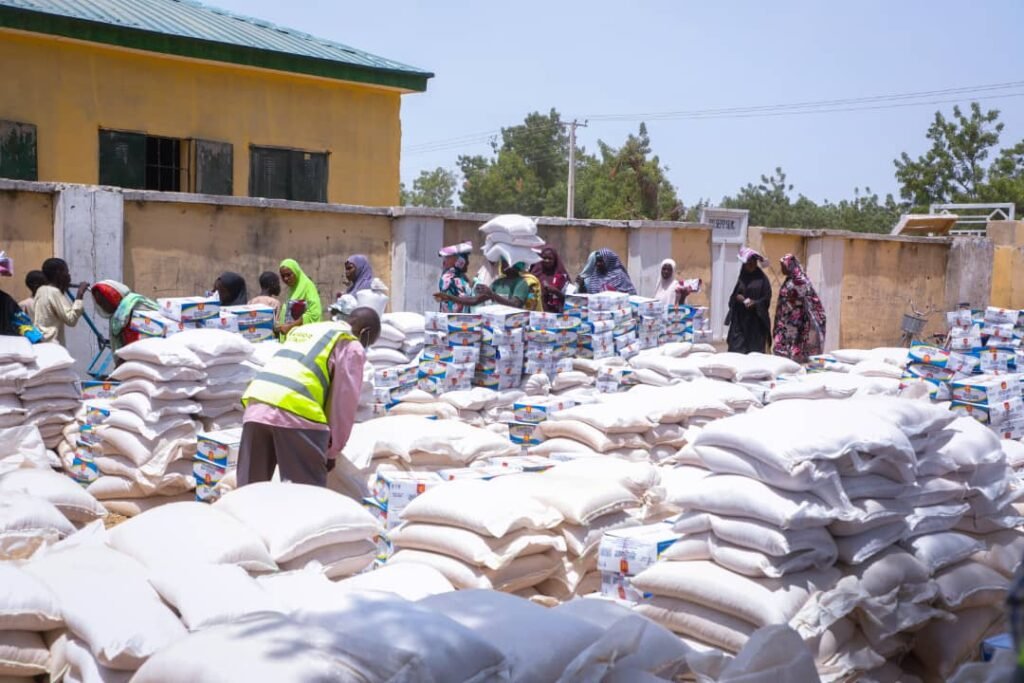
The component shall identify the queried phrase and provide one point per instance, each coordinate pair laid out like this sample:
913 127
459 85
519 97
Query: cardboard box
99 389
219 448
83 469
259 332
995 315
96 413
207 476
962 363
394 489
925 371
644 306
153 324
503 318
480 472
986 389
536 410
189 308
388 519
631 550
527 433
249 315
225 321
1010 410
959 318
596 327
553 321
928 355
607 301
522 463
619 587
976 410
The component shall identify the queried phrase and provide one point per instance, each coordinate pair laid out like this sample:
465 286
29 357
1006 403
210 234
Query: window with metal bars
151 162
281 173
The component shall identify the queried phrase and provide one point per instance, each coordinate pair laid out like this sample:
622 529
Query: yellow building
176 96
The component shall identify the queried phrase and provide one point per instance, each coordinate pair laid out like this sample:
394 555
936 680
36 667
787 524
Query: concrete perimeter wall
171 244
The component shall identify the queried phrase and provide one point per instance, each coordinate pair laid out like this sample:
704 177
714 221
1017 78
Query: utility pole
570 202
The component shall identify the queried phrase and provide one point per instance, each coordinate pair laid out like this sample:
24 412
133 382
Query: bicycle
913 324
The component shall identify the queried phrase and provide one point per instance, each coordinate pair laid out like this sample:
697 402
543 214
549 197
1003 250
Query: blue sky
496 61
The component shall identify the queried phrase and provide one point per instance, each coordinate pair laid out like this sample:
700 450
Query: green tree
628 183
771 205
527 173
953 169
434 189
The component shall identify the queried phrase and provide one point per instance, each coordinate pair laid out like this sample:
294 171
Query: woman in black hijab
748 321
231 289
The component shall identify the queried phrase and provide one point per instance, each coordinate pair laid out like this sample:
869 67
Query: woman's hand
442 296
748 303
484 292
741 299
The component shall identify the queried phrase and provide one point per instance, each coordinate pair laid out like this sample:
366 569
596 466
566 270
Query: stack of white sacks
860 522
170 389
512 238
38 387
412 443
400 342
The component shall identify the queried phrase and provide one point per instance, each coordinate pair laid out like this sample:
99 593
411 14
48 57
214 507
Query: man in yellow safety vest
300 408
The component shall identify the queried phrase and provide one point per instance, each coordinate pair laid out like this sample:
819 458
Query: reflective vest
297 378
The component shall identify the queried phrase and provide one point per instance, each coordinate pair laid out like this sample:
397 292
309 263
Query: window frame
291 159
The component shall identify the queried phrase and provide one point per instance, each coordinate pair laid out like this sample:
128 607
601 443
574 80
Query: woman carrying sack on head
799 315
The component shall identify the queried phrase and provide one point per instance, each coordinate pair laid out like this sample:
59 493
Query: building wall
691 250
178 244
71 89
878 279
1008 263
176 249
26 234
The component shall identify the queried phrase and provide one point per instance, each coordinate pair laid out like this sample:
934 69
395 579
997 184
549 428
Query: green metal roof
190 29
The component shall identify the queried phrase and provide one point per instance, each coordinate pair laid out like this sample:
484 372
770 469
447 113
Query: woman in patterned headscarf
748 321
799 315
454 291
604 273
115 301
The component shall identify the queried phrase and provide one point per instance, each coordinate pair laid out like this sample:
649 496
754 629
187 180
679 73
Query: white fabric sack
410 581
153 410
32 396
405 321
250 649
208 594
481 506
758 601
538 644
450 651
971 584
317 517
120 617
591 436
940 550
522 572
16 350
213 346
473 548
83 667
27 523
156 373
697 621
22 654
769 656
658 652
160 351
75 504
1001 550
22 446
161 391
942 645
48 357
579 499
734 496
338 560
26 603
198 531
755 535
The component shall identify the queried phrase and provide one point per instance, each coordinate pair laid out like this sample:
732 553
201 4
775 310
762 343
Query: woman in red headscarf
115 301
553 278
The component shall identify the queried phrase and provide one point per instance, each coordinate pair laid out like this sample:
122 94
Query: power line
874 102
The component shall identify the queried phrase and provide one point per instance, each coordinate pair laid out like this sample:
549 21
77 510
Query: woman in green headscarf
300 288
